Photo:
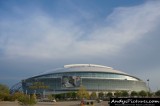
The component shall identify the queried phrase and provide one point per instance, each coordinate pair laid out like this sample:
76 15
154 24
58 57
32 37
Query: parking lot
64 103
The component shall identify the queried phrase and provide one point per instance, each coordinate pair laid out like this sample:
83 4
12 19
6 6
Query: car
99 100
87 102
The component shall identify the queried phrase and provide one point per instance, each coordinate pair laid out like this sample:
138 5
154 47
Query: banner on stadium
71 81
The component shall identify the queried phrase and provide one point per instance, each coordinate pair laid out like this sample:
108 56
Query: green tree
109 94
69 95
4 89
124 94
83 93
27 100
50 97
74 95
4 92
150 94
17 95
101 95
143 93
117 94
134 94
93 95
58 96
157 93
32 100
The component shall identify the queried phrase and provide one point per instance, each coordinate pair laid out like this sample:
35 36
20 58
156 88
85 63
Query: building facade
93 77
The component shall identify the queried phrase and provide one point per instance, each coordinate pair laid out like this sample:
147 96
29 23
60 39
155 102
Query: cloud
33 40
128 24
40 35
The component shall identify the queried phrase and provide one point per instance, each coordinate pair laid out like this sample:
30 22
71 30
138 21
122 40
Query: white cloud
128 24
42 36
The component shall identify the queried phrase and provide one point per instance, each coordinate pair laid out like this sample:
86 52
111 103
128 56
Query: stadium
93 77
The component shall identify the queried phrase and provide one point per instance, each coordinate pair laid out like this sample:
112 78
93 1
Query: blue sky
39 35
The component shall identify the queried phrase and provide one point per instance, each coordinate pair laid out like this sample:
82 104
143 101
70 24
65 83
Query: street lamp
148 84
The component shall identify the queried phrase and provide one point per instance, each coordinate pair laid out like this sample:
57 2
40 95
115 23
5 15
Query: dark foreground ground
65 103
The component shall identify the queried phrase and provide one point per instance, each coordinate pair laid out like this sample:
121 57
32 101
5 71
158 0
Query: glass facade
93 81
90 75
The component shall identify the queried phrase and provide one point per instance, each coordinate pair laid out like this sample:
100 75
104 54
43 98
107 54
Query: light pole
26 91
148 85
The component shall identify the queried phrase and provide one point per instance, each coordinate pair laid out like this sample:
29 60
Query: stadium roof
85 68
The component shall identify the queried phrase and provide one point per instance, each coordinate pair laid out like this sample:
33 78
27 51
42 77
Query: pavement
64 103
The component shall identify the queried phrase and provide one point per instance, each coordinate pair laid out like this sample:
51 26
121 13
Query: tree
83 93
150 94
50 97
117 94
74 95
69 95
134 93
58 96
4 89
157 93
124 94
17 95
142 93
27 100
32 100
101 95
109 94
93 95
4 92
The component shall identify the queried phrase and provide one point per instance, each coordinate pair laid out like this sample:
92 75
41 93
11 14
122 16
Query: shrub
27 100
